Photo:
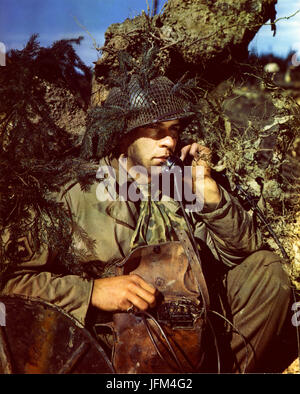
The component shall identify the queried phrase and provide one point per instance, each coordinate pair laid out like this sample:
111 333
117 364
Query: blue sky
56 19
288 32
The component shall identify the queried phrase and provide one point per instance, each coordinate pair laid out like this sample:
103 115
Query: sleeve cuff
222 206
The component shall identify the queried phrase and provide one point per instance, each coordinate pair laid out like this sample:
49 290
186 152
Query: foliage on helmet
139 96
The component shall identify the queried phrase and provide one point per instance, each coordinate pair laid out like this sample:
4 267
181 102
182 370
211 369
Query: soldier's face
151 145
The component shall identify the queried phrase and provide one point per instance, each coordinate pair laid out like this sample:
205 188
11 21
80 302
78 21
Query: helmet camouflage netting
137 101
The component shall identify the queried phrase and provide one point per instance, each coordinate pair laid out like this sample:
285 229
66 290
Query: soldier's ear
126 141
123 146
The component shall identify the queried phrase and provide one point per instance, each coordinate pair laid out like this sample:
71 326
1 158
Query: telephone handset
219 177
171 162
174 160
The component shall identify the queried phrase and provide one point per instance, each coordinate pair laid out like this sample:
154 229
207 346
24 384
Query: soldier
140 125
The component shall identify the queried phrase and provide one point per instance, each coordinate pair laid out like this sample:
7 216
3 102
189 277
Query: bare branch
85 29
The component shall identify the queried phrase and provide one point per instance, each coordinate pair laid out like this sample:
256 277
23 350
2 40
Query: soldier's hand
204 185
201 154
119 293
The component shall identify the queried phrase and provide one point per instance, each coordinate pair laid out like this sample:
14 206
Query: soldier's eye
175 132
154 127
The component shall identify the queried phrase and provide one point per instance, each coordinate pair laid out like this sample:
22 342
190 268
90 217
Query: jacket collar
125 212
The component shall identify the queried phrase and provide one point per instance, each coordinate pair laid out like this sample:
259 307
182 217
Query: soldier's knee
273 270
265 257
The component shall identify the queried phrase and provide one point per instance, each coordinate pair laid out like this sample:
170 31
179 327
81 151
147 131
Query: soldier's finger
142 283
203 153
184 152
141 299
142 293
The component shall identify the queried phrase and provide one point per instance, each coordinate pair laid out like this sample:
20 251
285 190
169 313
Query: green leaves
37 155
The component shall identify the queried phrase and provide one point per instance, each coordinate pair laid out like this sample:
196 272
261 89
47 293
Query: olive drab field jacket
228 231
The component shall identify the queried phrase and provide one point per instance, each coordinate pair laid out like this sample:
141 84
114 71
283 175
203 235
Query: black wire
216 346
166 339
260 214
191 233
172 350
175 161
153 341
239 333
197 254
181 368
